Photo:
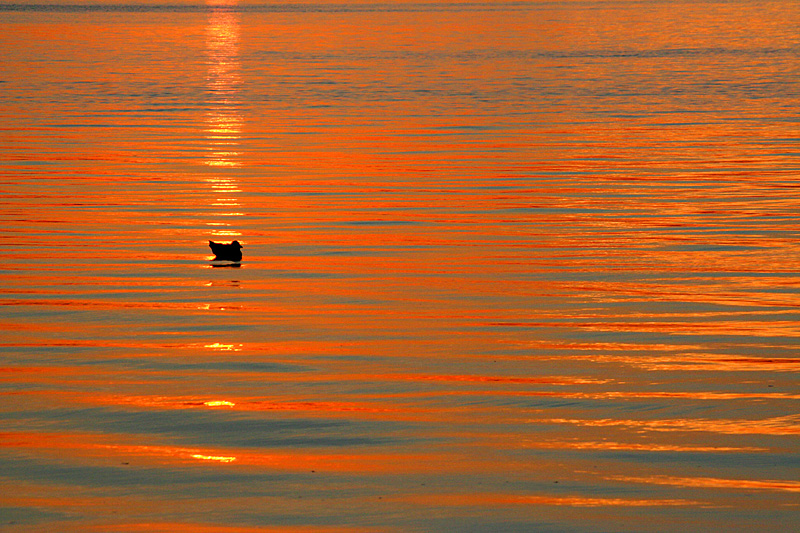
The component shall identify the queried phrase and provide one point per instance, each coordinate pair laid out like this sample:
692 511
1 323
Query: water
525 266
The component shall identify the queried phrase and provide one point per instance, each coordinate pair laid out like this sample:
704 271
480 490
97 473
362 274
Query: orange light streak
506 500
91 448
784 425
715 483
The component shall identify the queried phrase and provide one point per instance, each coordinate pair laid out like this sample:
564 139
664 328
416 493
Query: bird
226 252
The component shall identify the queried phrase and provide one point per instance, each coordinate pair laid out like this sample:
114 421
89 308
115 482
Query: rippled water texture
507 267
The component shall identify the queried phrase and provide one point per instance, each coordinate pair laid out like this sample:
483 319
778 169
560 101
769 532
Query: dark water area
508 266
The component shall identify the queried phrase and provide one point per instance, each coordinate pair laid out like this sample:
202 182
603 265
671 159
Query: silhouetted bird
226 252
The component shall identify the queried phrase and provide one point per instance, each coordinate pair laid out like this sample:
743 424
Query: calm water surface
525 266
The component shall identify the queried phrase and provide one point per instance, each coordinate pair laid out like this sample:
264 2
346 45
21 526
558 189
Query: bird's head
236 244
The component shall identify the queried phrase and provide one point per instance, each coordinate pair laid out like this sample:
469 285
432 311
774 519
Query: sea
508 266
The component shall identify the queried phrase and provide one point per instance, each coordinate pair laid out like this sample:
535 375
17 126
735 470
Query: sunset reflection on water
511 266
223 115
224 118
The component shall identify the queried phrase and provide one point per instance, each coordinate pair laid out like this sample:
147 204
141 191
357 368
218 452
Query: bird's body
226 252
